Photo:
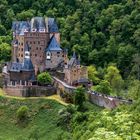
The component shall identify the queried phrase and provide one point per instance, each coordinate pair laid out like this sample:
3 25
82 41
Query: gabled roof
74 60
27 65
53 45
52 25
19 26
38 23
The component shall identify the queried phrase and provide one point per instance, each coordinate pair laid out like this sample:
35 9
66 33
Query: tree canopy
102 32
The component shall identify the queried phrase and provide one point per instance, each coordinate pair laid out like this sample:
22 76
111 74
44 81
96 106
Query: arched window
48 55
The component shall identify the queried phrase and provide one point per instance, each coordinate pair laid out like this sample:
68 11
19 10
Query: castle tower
14 50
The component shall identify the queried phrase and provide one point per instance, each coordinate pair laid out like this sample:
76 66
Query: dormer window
25 30
34 30
48 55
41 30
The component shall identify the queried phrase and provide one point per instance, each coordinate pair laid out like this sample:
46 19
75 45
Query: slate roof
27 65
19 26
36 23
53 45
16 67
52 25
74 60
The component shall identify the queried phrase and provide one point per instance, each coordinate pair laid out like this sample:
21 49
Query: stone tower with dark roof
54 54
37 33
75 74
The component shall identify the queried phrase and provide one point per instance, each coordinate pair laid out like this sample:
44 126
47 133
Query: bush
64 118
44 78
22 113
79 97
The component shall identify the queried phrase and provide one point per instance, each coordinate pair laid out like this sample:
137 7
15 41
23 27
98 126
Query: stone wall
106 101
55 59
30 91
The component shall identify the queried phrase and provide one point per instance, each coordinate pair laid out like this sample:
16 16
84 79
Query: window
30 42
34 42
38 42
21 55
40 48
36 48
35 54
22 43
58 52
21 49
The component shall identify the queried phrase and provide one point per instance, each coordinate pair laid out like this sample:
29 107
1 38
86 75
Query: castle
36 48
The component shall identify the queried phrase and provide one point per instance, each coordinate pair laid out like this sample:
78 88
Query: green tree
136 66
114 78
93 74
79 97
103 87
5 52
44 78
22 113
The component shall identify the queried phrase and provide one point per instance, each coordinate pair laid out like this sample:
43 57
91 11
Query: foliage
103 87
114 78
22 113
5 52
110 35
79 97
93 74
134 90
44 78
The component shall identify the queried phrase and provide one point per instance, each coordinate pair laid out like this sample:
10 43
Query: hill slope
102 32
42 121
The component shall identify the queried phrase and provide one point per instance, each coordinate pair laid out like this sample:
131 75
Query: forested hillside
102 32
106 34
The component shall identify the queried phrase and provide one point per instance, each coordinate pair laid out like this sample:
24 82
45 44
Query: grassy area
43 114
